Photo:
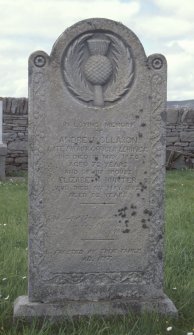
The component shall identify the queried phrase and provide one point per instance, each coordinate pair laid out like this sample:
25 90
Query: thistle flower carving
98 68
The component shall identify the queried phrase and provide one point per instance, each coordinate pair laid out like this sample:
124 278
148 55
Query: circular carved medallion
98 68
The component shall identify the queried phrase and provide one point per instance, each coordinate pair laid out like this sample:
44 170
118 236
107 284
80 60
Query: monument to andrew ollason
96 176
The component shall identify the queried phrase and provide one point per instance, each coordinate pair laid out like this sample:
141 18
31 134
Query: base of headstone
3 153
28 311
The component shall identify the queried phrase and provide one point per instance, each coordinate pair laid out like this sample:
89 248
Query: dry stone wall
15 133
180 134
180 137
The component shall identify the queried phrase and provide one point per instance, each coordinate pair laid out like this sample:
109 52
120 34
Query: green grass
179 266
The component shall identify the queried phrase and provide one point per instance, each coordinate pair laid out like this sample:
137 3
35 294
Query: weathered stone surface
172 116
178 161
182 144
21 160
189 149
96 174
23 308
15 106
17 146
187 116
187 136
15 131
171 139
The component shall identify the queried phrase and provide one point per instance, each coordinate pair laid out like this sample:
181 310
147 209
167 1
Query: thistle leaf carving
72 70
123 70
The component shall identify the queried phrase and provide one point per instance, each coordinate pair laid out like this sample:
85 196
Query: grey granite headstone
96 176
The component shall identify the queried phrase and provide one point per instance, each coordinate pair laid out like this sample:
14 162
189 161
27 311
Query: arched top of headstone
103 27
103 54
98 61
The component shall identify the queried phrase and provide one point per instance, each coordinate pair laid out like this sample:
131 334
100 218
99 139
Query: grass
179 269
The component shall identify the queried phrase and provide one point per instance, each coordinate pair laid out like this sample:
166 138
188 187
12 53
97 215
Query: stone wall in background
15 133
180 138
180 135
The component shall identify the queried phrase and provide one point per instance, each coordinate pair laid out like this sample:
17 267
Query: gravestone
3 146
96 176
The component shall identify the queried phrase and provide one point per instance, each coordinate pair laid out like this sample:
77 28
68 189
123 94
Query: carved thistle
98 68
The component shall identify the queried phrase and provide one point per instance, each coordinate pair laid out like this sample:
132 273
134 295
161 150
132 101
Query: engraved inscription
98 173
97 165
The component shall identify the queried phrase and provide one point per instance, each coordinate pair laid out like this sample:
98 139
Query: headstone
3 146
96 176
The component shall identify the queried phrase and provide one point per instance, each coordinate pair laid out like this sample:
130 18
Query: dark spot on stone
96 158
119 178
150 213
138 194
145 172
96 142
144 226
133 213
140 134
146 211
119 221
137 116
92 180
115 215
126 231
159 255
148 220
122 212
126 223
159 236
75 143
141 110
143 124
143 220
90 141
